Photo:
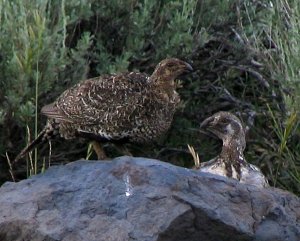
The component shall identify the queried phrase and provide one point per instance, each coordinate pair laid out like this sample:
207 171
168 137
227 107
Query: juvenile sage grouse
127 107
231 162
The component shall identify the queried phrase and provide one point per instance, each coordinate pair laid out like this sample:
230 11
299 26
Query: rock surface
145 200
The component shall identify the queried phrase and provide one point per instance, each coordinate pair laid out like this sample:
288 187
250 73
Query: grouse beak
209 126
207 123
188 68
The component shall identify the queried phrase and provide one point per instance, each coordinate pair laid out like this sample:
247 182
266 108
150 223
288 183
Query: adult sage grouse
127 107
231 162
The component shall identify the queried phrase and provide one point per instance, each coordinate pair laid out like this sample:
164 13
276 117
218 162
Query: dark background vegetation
245 54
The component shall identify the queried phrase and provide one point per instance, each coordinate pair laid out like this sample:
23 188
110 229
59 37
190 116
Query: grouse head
227 127
169 69
231 161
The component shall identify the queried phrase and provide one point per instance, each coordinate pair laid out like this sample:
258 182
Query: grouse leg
99 150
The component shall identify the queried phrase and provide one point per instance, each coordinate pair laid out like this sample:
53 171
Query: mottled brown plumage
131 107
231 161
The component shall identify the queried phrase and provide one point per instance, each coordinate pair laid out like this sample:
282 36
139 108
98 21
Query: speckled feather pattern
115 107
124 106
247 173
231 161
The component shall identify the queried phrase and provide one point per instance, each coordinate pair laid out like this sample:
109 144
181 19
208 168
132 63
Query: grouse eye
220 125
170 64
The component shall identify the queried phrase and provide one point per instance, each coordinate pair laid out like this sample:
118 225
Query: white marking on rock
128 185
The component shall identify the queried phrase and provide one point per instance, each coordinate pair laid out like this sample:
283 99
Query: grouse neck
232 152
161 78
165 86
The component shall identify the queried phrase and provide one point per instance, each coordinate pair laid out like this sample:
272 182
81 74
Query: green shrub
34 61
245 53
50 45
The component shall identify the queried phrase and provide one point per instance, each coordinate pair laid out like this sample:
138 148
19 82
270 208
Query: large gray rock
145 200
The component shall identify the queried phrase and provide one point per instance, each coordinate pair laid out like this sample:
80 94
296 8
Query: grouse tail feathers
41 138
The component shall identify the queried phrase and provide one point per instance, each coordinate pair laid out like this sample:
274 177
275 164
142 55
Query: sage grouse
127 107
231 162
